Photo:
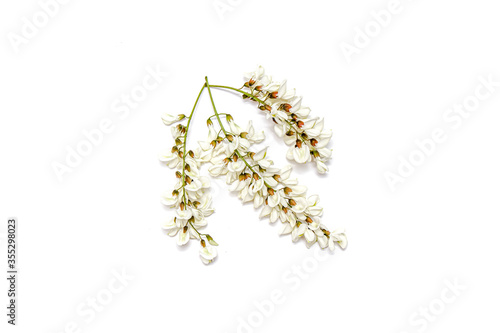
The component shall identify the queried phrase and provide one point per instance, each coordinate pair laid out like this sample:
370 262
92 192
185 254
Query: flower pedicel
249 173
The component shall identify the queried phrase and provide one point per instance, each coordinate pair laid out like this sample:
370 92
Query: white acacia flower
208 253
169 119
299 154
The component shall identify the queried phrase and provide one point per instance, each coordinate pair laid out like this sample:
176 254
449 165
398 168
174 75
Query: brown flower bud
187 179
229 137
300 123
182 206
298 144
178 174
203 243
191 153
314 142
270 191
174 149
276 177
292 202
290 133
287 190
273 94
241 177
309 220
235 158
185 229
256 176
188 168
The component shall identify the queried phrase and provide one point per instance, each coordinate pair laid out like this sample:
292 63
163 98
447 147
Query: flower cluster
249 173
256 179
190 196
305 134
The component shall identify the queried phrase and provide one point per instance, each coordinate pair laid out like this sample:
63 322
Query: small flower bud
188 168
285 210
268 107
185 229
191 153
292 202
182 206
256 176
276 178
229 118
251 154
227 160
174 149
181 116
178 141
273 94
262 107
209 122
270 191
175 193
178 174
287 190
230 137
300 123
241 177
309 220
181 154
298 144
290 133
304 136
235 158
211 241
203 243
196 204
259 88
314 142
243 135
188 179
315 153
213 143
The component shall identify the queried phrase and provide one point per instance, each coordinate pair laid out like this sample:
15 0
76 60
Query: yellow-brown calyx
287 190
309 220
256 176
188 179
230 138
203 243
178 174
182 206
298 144
300 123
292 202
276 178
270 191
174 149
314 142
185 229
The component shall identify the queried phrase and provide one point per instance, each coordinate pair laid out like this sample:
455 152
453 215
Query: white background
440 225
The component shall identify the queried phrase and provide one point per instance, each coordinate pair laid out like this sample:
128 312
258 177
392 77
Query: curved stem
252 96
190 117
240 91
222 126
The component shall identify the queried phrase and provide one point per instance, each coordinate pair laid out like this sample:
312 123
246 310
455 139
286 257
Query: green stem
252 96
240 91
190 117
222 126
